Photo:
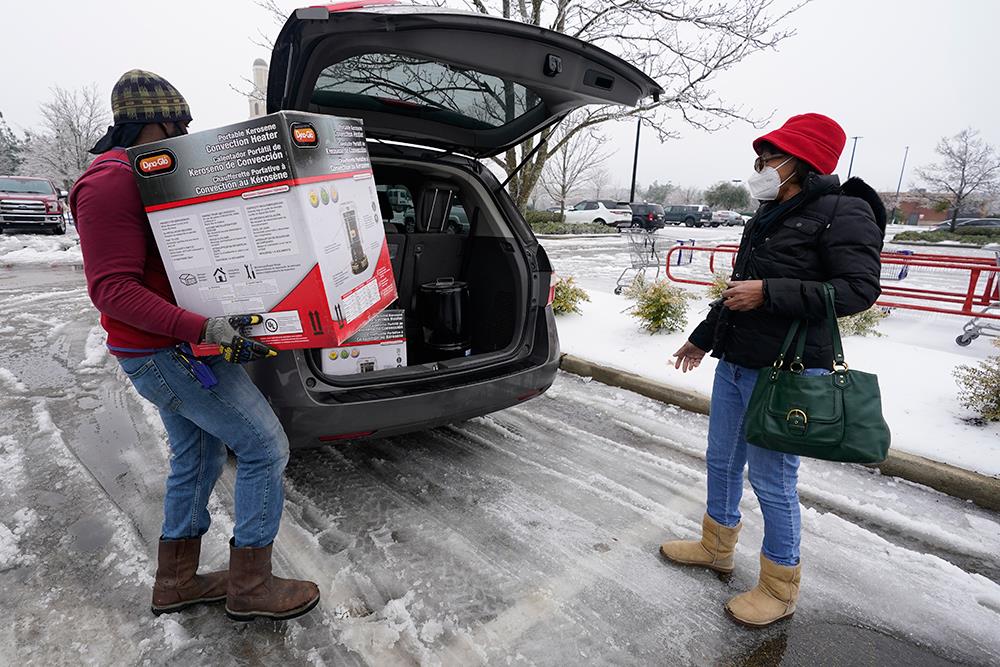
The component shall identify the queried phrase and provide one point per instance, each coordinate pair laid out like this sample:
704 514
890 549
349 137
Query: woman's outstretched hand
688 357
744 295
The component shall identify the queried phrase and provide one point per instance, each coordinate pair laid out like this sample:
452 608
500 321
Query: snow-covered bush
979 387
568 228
636 288
864 323
720 283
661 307
568 297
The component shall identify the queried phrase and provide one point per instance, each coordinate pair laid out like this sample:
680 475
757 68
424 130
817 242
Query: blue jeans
773 475
198 422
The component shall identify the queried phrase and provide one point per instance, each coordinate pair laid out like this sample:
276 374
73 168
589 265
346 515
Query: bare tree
599 180
681 45
688 195
72 122
969 166
276 17
571 166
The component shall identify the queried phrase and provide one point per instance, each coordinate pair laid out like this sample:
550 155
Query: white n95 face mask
765 184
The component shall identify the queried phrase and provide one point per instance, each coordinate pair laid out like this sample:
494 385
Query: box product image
276 215
379 345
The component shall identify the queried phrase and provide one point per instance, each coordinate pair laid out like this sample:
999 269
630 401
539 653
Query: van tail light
649 216
552 289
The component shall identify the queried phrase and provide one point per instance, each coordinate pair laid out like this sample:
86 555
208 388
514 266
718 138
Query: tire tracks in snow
858 494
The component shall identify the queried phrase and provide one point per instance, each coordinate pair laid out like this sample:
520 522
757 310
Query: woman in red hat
809 230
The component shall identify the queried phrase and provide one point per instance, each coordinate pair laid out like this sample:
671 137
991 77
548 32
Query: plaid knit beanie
144 97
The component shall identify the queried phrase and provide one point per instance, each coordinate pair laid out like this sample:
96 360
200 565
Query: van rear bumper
310 420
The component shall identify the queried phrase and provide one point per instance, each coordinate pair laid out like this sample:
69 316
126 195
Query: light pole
635 160
895 204
855 147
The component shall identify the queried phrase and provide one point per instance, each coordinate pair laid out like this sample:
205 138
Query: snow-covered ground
528 537
37 249
914 360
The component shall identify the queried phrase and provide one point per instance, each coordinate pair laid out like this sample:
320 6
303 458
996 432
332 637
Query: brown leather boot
177 585
773 598
255 593
714 550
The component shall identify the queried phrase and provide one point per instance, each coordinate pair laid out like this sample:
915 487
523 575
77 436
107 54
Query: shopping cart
896 271
979 326
642 255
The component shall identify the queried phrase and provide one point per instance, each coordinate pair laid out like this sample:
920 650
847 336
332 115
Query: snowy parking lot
526 537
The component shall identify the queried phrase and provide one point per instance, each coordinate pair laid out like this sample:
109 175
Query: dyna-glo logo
304 135
156 163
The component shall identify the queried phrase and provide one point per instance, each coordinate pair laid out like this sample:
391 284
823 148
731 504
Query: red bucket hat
811 137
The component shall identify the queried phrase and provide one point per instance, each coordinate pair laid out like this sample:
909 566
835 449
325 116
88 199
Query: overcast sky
897 72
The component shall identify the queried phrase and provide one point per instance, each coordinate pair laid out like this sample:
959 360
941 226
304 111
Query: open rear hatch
461 82
465 82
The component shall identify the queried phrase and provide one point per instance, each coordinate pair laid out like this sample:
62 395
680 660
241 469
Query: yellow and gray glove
234 346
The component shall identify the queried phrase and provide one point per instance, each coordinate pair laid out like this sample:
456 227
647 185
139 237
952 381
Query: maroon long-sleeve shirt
125 275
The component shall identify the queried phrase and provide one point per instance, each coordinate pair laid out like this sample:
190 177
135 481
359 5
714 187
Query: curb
925 244
981 489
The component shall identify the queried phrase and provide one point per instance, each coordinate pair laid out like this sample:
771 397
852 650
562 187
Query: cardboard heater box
379 345
277 215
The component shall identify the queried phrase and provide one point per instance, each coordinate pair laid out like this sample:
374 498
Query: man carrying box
206 403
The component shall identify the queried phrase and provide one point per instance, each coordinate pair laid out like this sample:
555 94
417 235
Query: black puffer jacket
833 235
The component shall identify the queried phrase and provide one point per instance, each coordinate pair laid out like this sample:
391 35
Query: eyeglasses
762 160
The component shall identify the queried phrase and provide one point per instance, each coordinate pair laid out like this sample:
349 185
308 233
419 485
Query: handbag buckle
797 421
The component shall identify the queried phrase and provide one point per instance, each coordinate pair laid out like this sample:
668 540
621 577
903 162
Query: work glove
233 346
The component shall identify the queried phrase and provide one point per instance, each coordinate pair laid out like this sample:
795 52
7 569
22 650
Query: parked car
965 223
600 212
727 218
692 215
31 204
647 216
399 199
397 69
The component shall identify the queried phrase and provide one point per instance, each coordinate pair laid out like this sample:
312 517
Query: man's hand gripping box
278 216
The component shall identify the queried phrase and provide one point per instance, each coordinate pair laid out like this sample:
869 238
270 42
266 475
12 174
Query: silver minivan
440 92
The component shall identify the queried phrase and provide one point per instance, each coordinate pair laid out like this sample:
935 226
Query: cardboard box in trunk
276 215
379 345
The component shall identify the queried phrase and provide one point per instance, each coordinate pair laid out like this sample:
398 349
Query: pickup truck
31 204
692 215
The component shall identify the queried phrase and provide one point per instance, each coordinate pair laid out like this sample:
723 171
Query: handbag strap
786 346
798 328
831 316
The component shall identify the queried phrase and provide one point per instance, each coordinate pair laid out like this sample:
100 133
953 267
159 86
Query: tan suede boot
714 550
178 584
256 593
771 600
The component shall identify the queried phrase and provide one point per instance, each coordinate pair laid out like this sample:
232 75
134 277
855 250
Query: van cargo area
444 230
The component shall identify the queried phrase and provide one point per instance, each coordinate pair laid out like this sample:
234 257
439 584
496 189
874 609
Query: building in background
258 95
919 207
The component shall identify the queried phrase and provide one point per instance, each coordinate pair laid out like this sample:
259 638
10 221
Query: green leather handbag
837 417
